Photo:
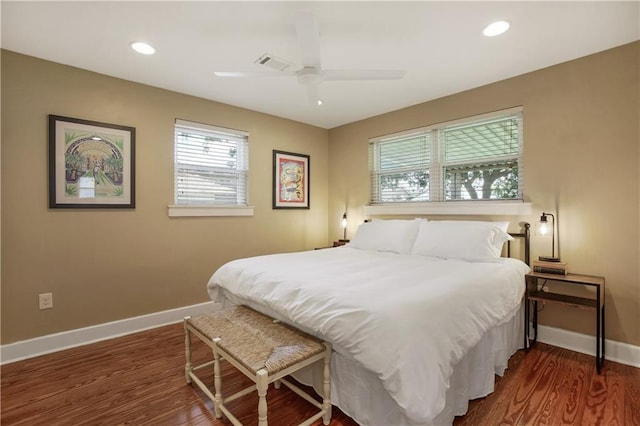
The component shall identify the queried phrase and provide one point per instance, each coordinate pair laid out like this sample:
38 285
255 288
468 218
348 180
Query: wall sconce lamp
343 222
544 229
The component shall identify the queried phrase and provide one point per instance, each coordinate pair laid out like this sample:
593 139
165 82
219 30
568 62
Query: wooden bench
261 348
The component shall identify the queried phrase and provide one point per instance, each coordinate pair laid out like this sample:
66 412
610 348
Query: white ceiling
439 44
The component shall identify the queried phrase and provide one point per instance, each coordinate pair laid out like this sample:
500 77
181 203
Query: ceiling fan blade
253 74
362 74
308 39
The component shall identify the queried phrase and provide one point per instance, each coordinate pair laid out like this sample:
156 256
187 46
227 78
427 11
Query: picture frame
291 186
91 164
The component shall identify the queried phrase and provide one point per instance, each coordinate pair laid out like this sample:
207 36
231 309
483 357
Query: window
478 158
211 165
401 166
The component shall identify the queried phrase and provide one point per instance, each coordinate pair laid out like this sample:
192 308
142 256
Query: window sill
202 211
518 208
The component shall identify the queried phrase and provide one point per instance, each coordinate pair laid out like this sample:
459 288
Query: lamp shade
543 227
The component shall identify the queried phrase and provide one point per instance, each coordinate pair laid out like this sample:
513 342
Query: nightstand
533 294
335 244
340 243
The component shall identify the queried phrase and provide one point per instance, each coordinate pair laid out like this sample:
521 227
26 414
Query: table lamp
544 228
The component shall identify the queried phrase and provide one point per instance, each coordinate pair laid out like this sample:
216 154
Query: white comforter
409 319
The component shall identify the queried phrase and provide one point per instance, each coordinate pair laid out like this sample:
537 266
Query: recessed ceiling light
496 28
319 102
142 47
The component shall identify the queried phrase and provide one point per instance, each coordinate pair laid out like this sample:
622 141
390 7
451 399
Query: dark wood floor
139 380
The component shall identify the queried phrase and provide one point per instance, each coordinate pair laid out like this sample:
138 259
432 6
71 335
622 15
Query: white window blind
211 165
478 158
481 160
399 168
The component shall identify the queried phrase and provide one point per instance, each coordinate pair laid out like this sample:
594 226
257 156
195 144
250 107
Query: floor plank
553 386
139 380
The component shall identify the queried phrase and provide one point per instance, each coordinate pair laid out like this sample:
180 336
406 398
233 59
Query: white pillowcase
504 226
386 235
461 239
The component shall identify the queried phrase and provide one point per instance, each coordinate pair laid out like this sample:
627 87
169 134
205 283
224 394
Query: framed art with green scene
91 164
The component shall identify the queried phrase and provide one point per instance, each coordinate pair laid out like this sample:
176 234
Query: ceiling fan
311 74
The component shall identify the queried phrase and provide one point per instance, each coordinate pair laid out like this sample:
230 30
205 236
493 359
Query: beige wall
107 265
581 160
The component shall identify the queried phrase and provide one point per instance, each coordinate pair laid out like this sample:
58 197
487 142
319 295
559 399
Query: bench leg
326 398
217 382
187 352
262 384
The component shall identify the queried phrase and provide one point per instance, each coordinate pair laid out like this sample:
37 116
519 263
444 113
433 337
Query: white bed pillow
461 239
386 235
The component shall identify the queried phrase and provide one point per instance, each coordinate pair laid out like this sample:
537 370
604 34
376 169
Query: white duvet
408 319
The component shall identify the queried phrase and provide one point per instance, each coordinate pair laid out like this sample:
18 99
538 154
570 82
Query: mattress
402 326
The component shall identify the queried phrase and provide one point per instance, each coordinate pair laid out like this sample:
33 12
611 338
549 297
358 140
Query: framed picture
290 180
91 164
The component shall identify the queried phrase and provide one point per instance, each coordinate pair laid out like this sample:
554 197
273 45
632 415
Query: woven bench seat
262 349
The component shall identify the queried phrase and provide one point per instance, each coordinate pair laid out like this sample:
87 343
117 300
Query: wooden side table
340 243
533 294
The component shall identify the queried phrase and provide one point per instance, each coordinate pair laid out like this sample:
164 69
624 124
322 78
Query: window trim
209 210
480 207
194 210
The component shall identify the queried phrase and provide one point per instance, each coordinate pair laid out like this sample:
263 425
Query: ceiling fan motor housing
309 75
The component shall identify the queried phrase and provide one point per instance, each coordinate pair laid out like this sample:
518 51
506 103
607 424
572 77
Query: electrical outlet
46 300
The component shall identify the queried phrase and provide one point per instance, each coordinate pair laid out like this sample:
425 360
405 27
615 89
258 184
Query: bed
421 314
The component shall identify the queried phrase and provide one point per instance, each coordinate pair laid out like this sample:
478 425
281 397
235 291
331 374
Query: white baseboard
68 339
623 353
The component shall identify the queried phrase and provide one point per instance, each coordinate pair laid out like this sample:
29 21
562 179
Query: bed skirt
360 394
